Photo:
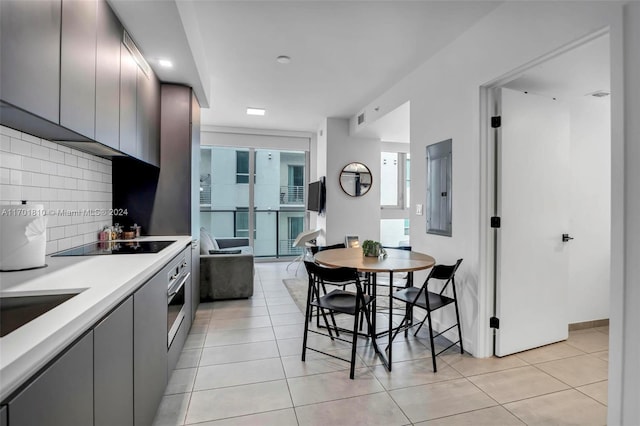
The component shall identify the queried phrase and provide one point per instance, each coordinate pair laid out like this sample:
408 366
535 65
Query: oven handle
176 287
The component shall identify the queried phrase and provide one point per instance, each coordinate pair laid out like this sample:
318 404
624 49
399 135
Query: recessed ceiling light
283 59
165 63
255 111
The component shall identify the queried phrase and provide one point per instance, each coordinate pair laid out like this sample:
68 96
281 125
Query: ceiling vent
599 94
128 42
361 119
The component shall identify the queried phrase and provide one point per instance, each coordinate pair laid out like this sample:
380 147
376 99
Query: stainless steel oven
176 298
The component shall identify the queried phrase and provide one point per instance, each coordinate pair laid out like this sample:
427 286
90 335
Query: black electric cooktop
115 247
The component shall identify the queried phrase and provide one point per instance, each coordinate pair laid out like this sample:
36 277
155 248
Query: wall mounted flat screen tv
316 196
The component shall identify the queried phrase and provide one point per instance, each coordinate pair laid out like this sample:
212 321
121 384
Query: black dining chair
431 301
336 301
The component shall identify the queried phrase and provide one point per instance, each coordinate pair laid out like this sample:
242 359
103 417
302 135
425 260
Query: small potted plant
372 248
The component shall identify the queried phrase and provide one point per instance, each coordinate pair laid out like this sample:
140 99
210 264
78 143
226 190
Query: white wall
345 214
445 103
66 181
590 204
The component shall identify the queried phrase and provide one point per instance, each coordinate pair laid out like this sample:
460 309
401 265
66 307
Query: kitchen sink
17 311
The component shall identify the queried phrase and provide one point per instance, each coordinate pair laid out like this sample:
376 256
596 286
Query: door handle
566 237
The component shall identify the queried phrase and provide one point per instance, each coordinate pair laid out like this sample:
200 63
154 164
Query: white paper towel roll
23 236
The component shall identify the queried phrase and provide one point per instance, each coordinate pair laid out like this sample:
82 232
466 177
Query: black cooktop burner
115 247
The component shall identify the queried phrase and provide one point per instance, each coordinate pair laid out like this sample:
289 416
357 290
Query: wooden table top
396 260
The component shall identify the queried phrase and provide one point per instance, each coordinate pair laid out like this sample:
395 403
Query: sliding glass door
254 193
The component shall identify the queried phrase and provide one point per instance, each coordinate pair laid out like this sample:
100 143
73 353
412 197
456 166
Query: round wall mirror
355 179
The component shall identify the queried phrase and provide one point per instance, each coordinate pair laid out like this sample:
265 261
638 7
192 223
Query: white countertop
102 281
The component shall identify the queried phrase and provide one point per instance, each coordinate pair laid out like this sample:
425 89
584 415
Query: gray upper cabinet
150 347
108 43
78 66
128 108
113 367
30 56
148 118
62 395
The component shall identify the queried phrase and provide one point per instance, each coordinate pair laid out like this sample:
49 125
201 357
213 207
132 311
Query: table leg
390 317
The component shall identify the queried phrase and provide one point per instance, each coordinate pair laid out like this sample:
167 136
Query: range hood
23 121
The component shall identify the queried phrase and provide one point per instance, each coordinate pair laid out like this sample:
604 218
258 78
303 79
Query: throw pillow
206 242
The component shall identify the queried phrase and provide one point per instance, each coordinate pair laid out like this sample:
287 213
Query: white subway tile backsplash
57 156
52 246
56 232
10 132
40 152
64 243
5 176
5 143
30 138
40 179
10 193
10 161
64 170
49 144
31 164
48 167
16 177
66 181
20 147
83 163
71 159
31 193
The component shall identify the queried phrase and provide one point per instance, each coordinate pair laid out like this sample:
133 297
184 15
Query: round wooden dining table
396 260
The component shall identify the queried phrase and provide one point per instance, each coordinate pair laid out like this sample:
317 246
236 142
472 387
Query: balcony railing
291 195
280 246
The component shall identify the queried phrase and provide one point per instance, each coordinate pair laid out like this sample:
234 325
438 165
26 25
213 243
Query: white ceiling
576 73
344 53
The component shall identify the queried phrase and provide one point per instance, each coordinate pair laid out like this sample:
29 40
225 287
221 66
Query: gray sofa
225 276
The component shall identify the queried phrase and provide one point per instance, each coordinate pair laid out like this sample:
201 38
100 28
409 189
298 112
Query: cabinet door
128 77
149 347
3 416
30 56
148 113
78 67
62 395
113 367
108 42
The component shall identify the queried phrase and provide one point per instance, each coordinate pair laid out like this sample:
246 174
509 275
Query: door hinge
496 122
494 322
495 222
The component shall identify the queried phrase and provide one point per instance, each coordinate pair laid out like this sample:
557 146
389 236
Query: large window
268 208
242 166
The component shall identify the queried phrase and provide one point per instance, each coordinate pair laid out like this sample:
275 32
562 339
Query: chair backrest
331 275
315 249
444 272
407 248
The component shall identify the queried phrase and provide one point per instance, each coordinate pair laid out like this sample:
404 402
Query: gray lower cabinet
61 395
113 367
149 347
30 56
78 67
108 43
3 416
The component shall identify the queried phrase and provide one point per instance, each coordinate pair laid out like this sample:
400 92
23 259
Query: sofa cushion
207 242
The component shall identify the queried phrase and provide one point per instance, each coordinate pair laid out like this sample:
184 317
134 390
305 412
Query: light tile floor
241 366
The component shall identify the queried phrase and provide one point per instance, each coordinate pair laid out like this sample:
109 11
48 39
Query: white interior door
532 189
